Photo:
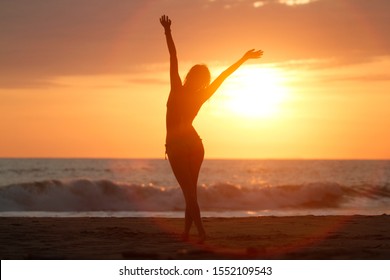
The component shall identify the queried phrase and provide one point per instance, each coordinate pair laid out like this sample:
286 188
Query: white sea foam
103 195
148 186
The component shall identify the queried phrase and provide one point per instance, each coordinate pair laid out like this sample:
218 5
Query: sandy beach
302 237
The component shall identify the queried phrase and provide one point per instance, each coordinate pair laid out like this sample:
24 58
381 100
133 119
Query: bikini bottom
189 145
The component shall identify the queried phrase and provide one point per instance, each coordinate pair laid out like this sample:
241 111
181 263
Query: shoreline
180 214
267 237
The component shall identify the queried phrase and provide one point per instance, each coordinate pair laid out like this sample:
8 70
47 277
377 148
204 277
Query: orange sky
90 78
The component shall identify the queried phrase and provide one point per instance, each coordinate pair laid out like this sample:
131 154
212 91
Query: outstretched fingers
258 54
253 54
165 21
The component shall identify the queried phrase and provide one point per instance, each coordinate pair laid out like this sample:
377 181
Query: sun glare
256 92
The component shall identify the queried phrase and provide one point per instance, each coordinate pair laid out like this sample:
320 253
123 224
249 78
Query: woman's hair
198 77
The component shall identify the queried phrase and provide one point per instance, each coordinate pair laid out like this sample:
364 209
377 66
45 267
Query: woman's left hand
253 54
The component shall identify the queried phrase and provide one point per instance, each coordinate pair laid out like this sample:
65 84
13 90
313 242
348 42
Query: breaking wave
105 195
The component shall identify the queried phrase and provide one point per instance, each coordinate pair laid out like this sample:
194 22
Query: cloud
359 78
258 4
325 71
27 82
296 2
60 38
149 81
93 37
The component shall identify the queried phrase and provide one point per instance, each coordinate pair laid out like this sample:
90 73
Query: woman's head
198 77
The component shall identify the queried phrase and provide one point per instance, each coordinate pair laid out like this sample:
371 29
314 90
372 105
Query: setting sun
256 92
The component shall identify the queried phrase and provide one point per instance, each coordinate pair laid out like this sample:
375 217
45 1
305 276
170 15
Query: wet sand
302 238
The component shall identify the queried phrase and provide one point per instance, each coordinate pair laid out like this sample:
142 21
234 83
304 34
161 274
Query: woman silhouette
183 145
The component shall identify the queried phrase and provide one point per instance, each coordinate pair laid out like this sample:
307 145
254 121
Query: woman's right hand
165 22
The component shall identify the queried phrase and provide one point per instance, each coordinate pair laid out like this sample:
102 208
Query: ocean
227 188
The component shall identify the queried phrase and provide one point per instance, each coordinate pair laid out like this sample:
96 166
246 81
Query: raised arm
251 54
174 68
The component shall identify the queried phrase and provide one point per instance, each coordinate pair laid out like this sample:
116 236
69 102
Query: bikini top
182 108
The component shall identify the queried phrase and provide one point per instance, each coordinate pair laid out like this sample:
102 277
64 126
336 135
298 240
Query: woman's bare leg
196 161
188 223
186 171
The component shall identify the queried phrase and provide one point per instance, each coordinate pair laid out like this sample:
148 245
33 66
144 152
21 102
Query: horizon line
211 158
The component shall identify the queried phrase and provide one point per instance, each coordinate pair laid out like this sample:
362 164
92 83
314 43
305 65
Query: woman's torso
182 108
